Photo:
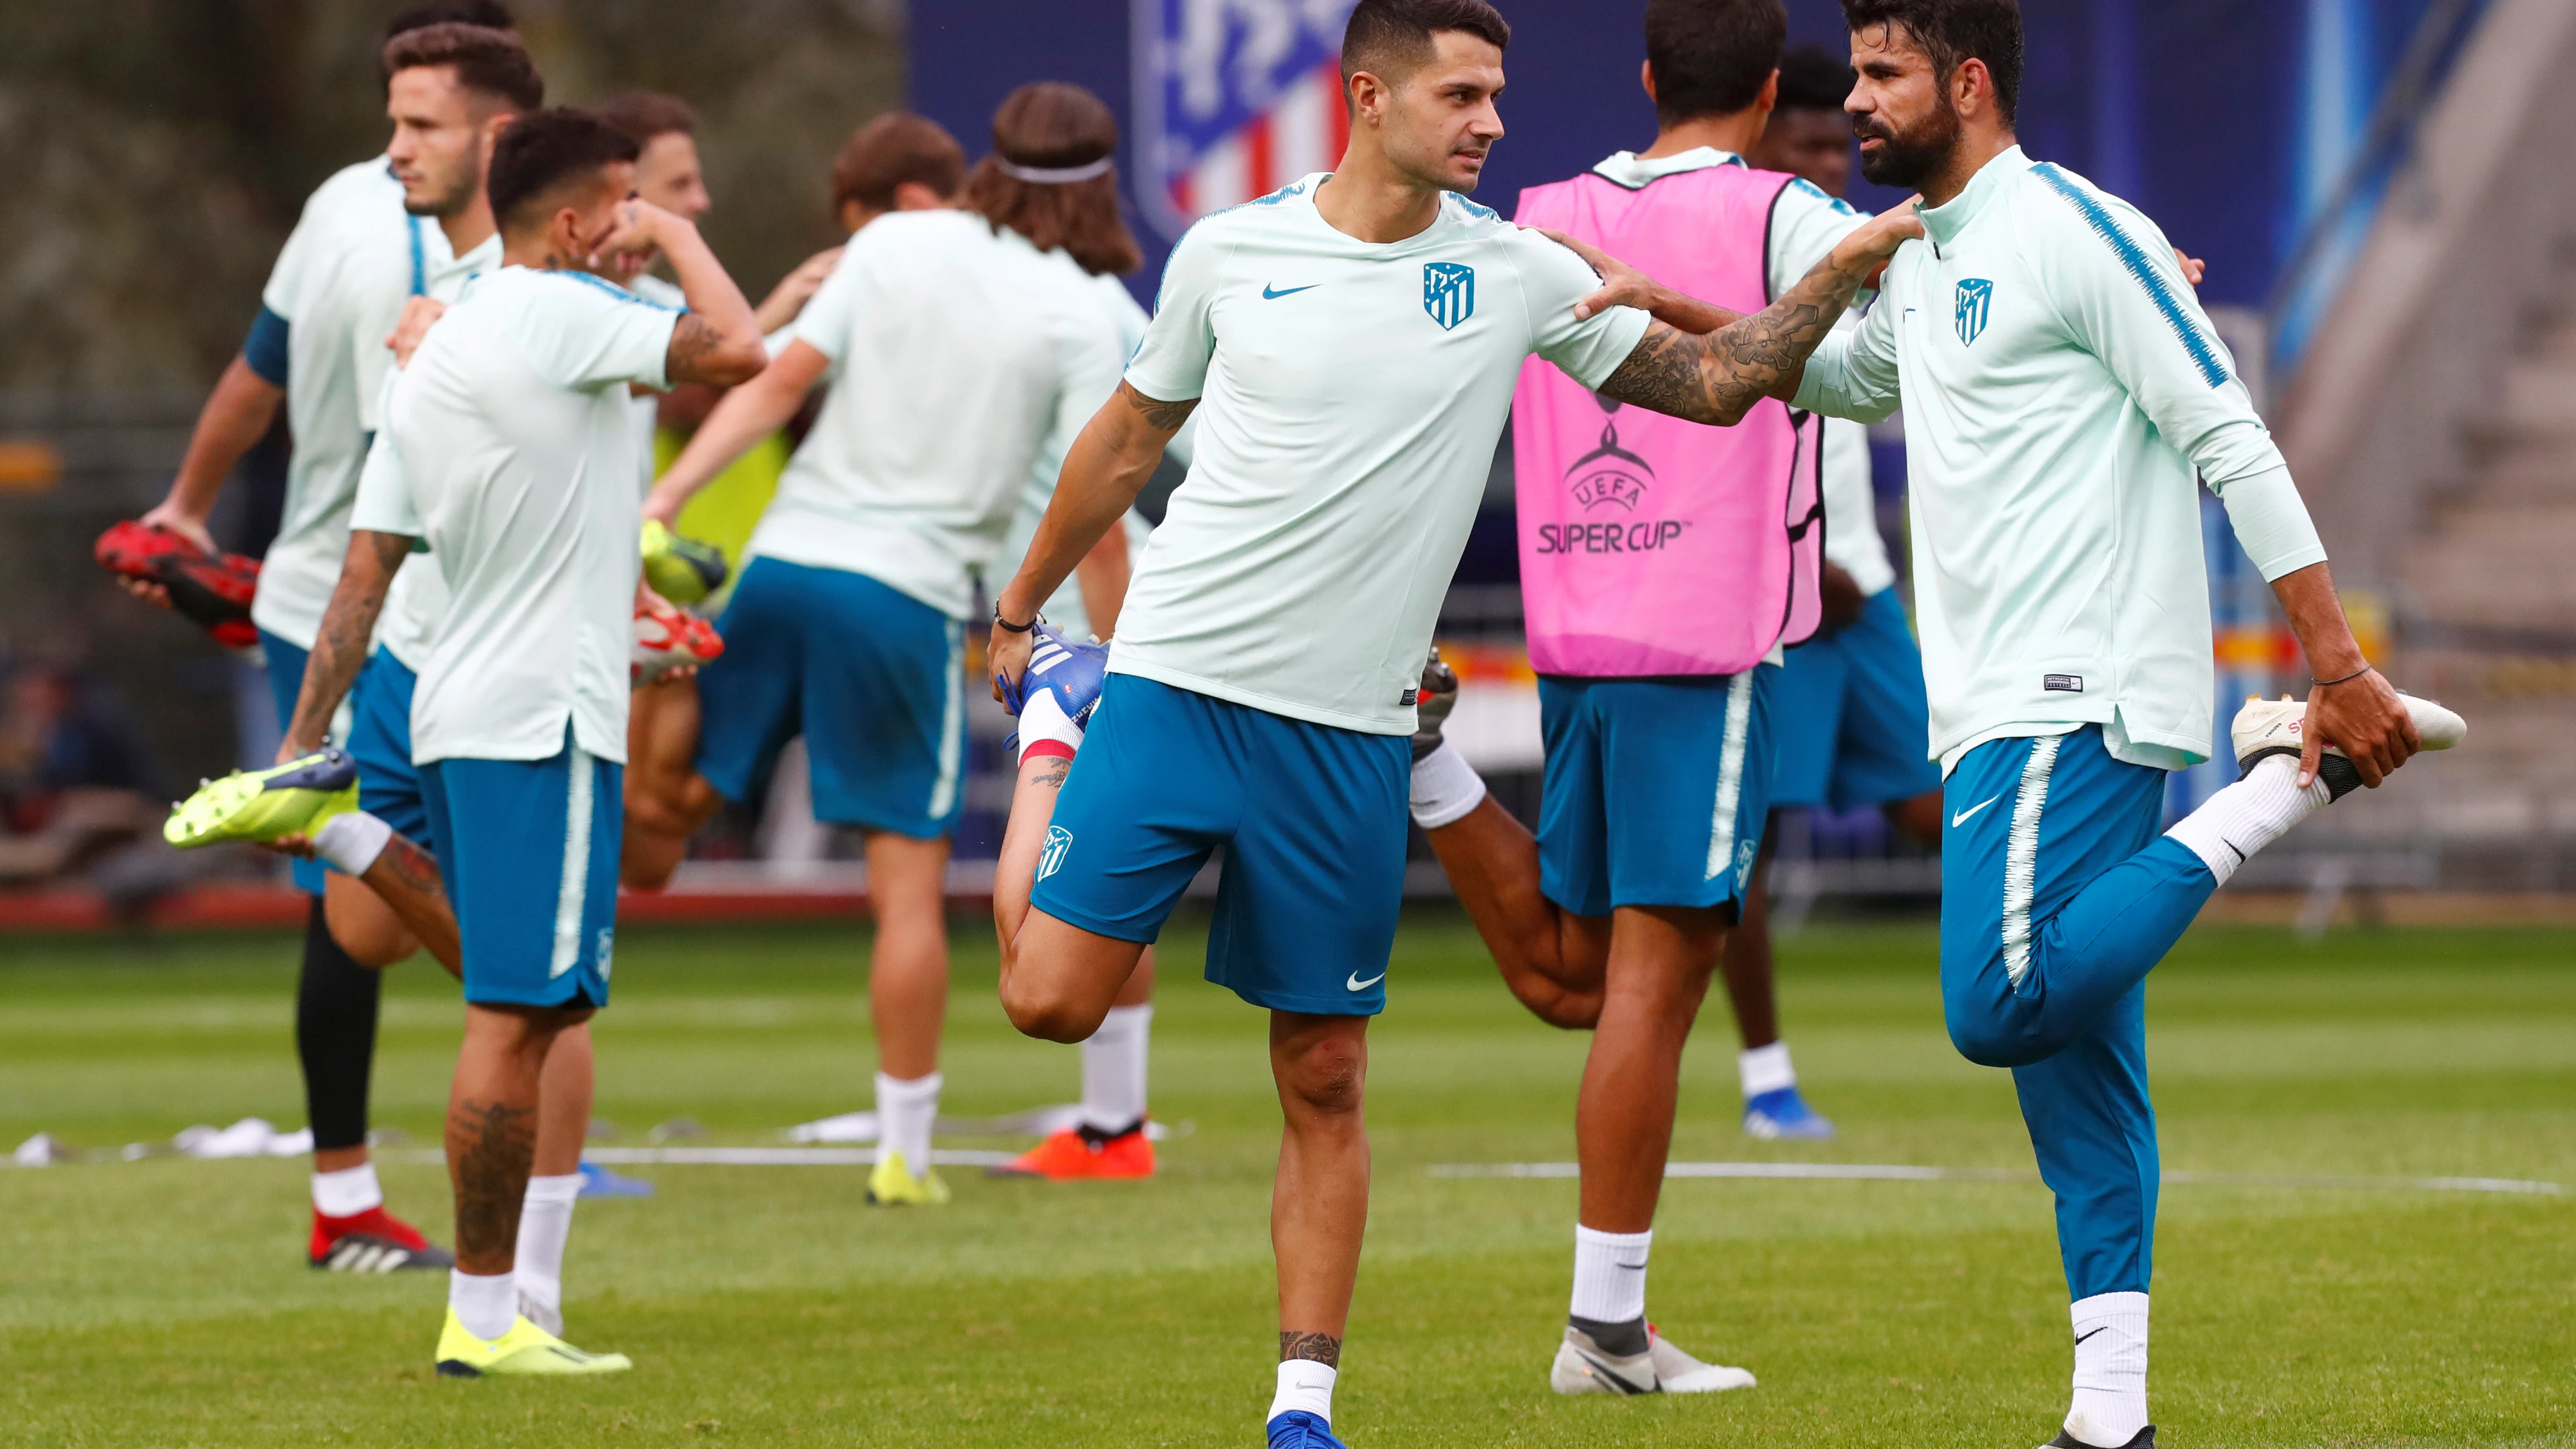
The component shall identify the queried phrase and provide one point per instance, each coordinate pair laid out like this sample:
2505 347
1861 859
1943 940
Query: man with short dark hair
1260 692
376 233
2062 388
1664 566
507 453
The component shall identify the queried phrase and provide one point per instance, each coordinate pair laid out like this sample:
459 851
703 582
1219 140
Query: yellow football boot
893 1185
525 1349
264 805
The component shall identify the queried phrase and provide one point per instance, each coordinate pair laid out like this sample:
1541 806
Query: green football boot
681 570
265 805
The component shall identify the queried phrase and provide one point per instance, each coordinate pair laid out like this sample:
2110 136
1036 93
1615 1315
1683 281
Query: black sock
335 1036
1625 1340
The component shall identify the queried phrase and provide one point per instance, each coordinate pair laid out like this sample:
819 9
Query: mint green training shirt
2061 386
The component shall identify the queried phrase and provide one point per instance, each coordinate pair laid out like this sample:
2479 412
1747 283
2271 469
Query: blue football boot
1298 1429
598 1181
1772 1116
1072 672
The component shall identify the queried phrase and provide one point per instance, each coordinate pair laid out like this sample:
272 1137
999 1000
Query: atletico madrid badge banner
1234 99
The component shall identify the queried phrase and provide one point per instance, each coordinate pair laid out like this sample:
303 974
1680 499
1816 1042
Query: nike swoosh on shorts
1356 984
1962 817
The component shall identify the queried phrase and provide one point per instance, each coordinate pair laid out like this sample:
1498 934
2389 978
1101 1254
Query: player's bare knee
1324 1078
1048 1010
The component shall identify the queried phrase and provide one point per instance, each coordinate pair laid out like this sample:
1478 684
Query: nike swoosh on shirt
1270 294
1962 817
1356 984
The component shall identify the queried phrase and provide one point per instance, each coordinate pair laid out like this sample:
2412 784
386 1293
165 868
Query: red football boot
374 1241
668 639
212 591
1084 1153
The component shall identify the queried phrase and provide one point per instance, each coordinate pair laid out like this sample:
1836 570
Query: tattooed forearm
1323 1348
490 1146
1164 417
1719 377
691 341
348 627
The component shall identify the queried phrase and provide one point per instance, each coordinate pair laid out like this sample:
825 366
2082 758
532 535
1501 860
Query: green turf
163 1302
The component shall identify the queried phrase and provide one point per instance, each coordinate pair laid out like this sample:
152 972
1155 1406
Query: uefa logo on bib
1448 292
1976 300
1051 855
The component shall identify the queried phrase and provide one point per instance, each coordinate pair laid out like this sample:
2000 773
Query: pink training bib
1649 545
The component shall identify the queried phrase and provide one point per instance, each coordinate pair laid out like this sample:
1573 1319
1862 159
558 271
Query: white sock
1304 1384
1765 1069
905 1111
1445 787
2252 813
486 1306
347 1192
1113 1068
545 1225
1610 1275
1042 720
2110 1369
352 841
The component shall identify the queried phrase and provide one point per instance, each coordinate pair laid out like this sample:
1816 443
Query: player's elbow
732 363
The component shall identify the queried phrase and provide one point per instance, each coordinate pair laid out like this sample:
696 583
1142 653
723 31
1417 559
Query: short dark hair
490 14
542 153
1710 57
1390 37
1813 78
1054 125
892 149
1952 32
643 115
487 61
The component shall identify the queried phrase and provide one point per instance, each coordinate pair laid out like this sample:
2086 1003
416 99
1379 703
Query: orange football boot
1079 1153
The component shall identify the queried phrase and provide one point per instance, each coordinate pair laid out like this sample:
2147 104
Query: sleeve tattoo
1718 378
349 623
691 340
1165 417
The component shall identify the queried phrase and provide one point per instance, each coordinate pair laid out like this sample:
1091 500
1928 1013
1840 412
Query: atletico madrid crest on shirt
1976 299
1234 99
1448 292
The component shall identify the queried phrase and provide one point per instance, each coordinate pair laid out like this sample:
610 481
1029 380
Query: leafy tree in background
154 153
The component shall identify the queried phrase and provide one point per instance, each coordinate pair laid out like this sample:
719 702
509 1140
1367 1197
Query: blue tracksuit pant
2058 895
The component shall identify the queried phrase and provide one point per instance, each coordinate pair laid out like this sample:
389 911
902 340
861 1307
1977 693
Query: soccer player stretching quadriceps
377 232
2061 387
1260 692
508 451
954 342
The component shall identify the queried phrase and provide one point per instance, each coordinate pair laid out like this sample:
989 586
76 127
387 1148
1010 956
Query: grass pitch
165 1302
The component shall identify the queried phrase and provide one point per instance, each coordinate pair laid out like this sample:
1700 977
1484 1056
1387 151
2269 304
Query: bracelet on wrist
2347 679
1007 627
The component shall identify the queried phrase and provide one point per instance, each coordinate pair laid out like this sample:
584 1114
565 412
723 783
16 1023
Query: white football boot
2268 727
1582 1366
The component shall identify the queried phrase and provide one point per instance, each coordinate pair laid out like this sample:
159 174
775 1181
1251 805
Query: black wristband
1007 627
2347 679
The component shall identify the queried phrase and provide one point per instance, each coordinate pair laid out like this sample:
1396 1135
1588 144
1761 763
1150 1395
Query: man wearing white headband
960 330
